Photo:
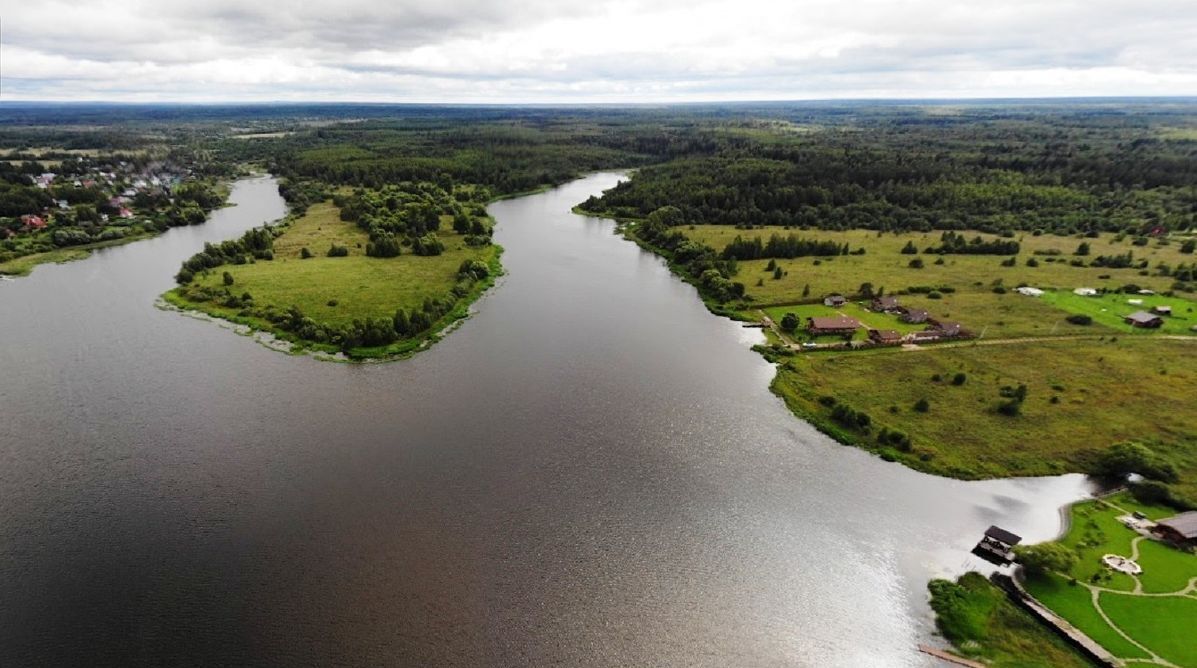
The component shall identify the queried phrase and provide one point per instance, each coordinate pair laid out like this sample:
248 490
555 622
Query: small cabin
884 337
997 546
914 316
835 301
884 304
1144 320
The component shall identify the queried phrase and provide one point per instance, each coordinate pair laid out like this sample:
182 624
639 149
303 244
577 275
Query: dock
949 657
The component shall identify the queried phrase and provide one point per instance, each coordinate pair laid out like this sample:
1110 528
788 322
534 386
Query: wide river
590 471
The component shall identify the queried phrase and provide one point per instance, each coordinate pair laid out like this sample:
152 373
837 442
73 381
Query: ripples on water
590 471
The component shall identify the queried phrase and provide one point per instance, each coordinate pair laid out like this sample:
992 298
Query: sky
582 51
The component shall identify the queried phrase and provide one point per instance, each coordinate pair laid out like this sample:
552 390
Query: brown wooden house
914 315
1144 320
885 337
1181 529
838 324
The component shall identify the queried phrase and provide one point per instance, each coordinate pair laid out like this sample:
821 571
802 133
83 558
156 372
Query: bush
916 263
1046 557
1080 319
959 379
304 253
227 278
922 405
1121 459
789 322
338 251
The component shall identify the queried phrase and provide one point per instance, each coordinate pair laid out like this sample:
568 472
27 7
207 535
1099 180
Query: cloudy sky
592 50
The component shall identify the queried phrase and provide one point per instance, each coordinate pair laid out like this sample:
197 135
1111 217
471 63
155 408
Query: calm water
590 471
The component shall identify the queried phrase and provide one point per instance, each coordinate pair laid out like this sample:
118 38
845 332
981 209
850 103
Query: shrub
304 253
338 251
916 263
1046 557
922 405
1080 319
959 379
227 278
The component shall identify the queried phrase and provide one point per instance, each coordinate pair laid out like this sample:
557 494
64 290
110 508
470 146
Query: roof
916 313
834 322
886 301
948 326
1001 534
1185 524
835 298
885 334
1143 316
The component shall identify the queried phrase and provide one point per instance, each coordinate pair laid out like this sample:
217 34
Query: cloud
599 50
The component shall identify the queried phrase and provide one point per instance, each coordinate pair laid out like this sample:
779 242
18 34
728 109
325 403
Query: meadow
1110 309
884 266
1118 389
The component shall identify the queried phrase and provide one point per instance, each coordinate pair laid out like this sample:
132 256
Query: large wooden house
839 325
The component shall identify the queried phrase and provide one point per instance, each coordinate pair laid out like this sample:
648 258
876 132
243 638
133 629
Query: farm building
914 315
835 300
884 336
839 324
946 328
1144 319
1180 529
884 304
1162 310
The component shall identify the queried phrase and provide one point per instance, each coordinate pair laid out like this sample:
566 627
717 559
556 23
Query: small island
366 274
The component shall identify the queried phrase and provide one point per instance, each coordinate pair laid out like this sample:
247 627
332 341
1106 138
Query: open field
885 266
1138 389
983 624
1110 309
1161 624
340 291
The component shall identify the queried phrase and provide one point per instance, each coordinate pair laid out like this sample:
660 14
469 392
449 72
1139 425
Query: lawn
1075 603
1120 390
869 319
1167 626
1002 316
1110 309
884 265
1156 622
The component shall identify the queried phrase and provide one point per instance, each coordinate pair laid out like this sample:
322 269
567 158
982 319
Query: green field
886 267
1139 389
338 291
983 624
1162 624
1110 309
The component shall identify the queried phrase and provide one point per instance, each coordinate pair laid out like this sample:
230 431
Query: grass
1164 625
1110 309
339 290
1154 621
883 265
1075 604
1119 390
983 624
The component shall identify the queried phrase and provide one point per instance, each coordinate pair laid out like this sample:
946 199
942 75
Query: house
884 337
914 315
836 324
835 300
1144 319
946 328
33 222
997 546
1085 292
884 304
1029 291
1162 310
1180 529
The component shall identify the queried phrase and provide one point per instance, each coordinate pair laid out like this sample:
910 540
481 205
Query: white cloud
578 51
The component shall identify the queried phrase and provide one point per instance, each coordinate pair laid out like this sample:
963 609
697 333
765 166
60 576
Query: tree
1189 246
228 278
916 263
866 290
1121 459
806 290
1046 558
304 253
910 249
789 322
777 273
1082 249
401 323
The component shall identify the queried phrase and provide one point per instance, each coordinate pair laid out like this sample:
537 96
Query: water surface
590 471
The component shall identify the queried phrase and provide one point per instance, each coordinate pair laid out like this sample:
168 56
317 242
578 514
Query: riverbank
22 266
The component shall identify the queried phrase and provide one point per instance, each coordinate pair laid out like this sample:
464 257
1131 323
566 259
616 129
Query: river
590 471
